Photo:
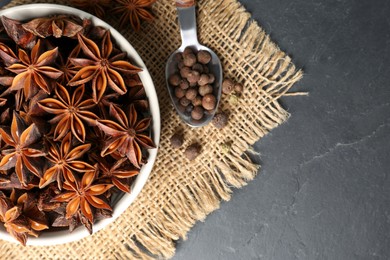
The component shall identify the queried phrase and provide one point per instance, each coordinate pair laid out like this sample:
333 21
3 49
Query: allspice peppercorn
191 93
184 101
197 101
185 71
193 85
179 92
204 79
193 76
205 89
204 57
177 140
198 67
174 80
180 65
178 57
187 51
197 113
184 84
227 86
220 120
192 151
209 102
189 60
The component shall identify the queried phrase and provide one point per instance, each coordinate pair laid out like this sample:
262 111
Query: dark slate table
324 189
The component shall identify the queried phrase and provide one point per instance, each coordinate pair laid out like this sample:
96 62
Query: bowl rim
23 12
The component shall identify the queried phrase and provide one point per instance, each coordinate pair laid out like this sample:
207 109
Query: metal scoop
189 38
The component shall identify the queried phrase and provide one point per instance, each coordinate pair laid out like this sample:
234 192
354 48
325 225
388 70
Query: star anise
44 199
7 55
37 219
22 155
65 160
70 112
128 134
17 33
33 113
8 58
33 72
60 219
116 173
58 25
96 7
133 12
101 67
5 112
15 223
74 121
12 182
83 195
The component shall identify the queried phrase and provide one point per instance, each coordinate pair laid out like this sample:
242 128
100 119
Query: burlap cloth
180 192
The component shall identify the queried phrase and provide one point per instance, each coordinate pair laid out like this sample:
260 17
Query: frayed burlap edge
179 193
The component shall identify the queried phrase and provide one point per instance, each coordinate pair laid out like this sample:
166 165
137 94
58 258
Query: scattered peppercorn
177 140
220 120
192 151
227 86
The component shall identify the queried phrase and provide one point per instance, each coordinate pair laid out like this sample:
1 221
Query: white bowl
25 12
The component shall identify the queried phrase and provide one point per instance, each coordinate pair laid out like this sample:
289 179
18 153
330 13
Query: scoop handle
185 3
187 21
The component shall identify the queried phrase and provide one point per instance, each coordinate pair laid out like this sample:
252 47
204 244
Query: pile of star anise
74 124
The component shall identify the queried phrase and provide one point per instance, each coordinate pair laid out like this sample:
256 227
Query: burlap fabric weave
180 192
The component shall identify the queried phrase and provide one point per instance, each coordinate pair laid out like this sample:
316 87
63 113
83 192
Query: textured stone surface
324 189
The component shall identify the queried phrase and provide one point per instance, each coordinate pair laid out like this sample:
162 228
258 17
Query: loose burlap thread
179 193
